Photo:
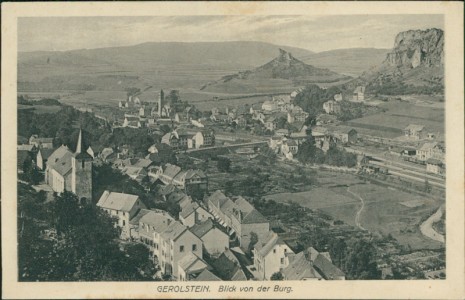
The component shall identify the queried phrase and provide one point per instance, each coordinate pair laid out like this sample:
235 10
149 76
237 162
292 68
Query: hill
171 64
415 65
281 73
352 61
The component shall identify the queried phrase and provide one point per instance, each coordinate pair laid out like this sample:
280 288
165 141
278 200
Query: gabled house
150 224
228 267
190 267
122 206
215 240
192 213
41 142
312 265
430 150
344 135
178 241
332 107
270 256
416 132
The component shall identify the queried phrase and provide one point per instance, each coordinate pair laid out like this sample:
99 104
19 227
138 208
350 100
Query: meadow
397 116
386 211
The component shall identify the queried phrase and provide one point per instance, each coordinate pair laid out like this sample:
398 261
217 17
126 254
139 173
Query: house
269 105
215 240
28 148
271 123
241 121
435 166
135 173
175 139
122 206
203 138
190 267
192 213
323 119
344 135
151 223
191 181
228 267
206 275
41 142
177 241
312 265
359 94
107 155
430 150
281 132
270 256
338 97
246 221
42 157
169 172
68 171
132 122
416 132
332 107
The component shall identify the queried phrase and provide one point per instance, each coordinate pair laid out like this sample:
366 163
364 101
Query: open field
387 211
399 115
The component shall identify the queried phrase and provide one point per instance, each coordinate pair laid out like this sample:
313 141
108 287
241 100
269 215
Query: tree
277 276
224 164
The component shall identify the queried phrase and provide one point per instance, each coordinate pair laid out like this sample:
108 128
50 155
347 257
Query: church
68 171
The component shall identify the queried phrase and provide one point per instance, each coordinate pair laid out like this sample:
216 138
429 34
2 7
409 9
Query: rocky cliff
416 48
415 65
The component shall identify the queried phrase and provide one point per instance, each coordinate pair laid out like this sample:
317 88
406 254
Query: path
426 227
359 212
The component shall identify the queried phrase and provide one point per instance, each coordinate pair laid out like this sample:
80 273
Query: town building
190 267
416 132
41 142
150 224
122 206
344 135
430 150
312 265
270 256
359 94
332 107
206 275
177 242
435 166
67 171
215 240
269 105
42 157
192 213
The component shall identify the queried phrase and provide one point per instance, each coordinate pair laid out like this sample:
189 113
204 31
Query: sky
315 33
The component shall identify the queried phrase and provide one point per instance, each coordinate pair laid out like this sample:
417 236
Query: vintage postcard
232 150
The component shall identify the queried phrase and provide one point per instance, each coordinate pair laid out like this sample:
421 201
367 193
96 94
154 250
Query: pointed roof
79 154
206 276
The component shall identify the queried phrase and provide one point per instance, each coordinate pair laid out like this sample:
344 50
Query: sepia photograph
178 150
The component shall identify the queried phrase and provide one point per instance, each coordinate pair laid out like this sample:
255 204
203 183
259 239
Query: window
274 250
124 223
282 260
285 250
194 247
181 248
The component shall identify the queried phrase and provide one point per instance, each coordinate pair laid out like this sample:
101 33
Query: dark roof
326 267
23 155
227 267
206 276
254 217
46 153
202 228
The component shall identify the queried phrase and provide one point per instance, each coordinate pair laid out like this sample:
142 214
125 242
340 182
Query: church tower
161 100
81 177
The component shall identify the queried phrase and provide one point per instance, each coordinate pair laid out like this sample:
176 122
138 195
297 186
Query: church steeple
79 142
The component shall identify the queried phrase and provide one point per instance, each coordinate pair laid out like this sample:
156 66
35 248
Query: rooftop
117 201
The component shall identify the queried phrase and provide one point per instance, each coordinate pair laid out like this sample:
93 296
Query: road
359 212
427 229
228 146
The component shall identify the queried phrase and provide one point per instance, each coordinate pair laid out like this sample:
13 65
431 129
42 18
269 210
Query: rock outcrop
416 48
